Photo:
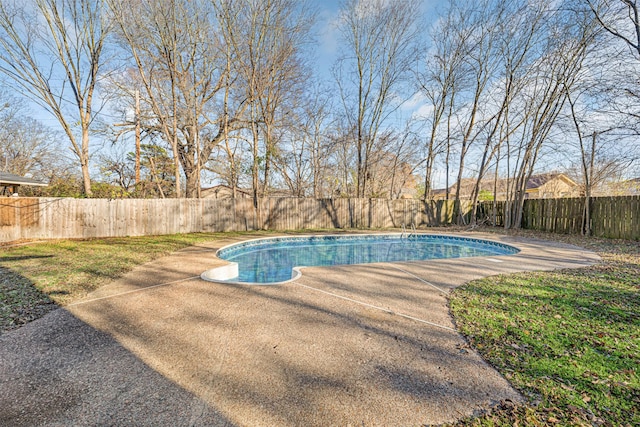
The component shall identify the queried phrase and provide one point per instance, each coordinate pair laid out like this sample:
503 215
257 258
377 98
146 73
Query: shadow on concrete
60 371
283 355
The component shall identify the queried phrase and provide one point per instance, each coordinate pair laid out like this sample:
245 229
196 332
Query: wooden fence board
635 218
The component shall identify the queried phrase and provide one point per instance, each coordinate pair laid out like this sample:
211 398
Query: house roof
222 188
534 182
12 179
537 181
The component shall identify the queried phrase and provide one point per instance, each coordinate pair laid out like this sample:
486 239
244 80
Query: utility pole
137 119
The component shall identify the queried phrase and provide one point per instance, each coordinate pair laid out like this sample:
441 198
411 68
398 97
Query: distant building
9 183
224 192
542 186
552 186
630 187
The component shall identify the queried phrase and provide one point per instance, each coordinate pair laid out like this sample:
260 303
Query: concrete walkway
351 345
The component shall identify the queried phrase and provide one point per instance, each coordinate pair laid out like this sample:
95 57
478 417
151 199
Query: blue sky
328 37
327 34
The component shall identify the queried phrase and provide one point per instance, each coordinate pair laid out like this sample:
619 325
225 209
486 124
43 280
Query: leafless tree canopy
379 47
465 101
27 147
52 50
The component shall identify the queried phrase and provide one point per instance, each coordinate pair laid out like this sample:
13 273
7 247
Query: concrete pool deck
349 345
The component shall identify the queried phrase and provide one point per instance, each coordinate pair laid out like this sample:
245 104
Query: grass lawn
36 278
568 340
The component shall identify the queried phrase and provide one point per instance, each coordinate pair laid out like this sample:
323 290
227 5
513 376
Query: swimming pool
274 260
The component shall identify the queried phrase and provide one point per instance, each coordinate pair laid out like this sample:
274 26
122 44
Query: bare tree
497 85
439 83
481 62
230 161
53 51
621 18
127 105
116 168
318 119
552 78
177 49
392 165
27 147
603 149
379 46
404 154
302 160
265 38
342 175
520 30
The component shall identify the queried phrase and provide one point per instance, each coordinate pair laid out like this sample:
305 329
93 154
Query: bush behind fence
60 218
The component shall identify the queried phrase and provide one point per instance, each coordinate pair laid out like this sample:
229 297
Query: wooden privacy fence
53 218
613 217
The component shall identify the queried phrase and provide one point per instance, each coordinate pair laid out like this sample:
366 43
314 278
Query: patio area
349 345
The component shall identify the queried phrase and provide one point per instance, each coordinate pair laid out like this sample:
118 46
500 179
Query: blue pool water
272 260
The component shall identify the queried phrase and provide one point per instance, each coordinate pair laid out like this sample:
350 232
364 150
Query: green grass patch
568 340
34 278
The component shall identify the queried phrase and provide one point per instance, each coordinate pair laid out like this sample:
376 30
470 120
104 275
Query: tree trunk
192 182
84 161
588 175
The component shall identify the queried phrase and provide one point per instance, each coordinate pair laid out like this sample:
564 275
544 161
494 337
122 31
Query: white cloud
423 112
328 23
418 99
